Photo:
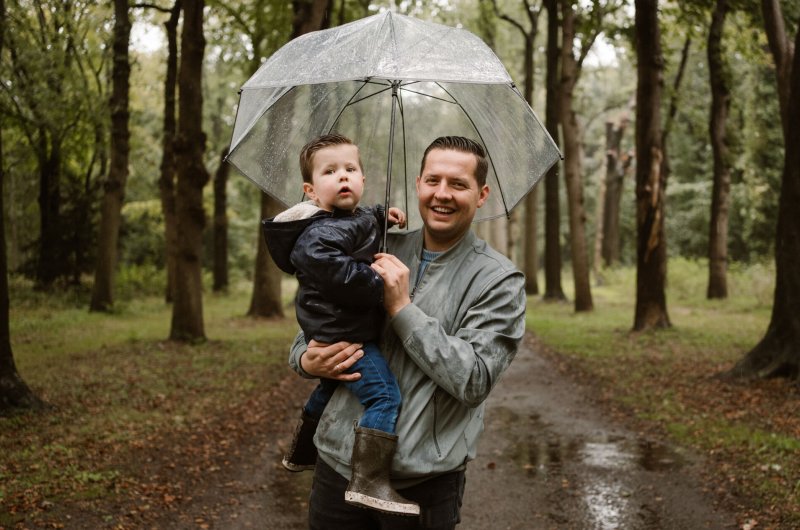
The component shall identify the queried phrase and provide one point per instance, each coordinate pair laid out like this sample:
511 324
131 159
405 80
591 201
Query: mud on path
550 458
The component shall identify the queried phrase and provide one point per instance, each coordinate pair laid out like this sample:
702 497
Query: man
456 314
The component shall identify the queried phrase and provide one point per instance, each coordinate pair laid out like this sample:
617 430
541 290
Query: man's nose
442 191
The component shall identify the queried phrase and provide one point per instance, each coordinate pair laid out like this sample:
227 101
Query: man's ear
308 189
484 194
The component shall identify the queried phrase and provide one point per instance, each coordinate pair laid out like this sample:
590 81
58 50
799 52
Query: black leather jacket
339 297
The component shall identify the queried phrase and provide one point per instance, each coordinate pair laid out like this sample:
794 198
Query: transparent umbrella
393 84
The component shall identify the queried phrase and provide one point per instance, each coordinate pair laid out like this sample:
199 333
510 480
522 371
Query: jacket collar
454 252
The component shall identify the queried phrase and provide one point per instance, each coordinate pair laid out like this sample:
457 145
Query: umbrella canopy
354 79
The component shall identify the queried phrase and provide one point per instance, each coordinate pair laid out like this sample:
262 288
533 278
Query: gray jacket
447 350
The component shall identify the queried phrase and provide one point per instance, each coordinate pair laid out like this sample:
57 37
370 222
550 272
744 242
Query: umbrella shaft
395 84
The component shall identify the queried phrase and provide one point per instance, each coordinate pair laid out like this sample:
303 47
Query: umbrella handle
384 247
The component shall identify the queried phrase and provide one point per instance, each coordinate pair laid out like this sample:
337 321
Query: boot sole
365 501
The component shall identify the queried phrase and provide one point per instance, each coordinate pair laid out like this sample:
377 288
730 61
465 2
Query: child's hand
397 217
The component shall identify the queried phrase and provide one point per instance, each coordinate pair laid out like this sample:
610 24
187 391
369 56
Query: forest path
550 458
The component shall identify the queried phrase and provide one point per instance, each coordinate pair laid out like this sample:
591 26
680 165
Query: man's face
448 195
336 180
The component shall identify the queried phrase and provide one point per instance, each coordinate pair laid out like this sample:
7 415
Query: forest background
672 117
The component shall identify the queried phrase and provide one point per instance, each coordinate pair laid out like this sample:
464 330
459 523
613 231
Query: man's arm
324 360
468 364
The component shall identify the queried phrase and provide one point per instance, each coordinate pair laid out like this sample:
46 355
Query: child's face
337 180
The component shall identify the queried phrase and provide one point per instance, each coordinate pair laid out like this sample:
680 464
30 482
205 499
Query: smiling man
456 312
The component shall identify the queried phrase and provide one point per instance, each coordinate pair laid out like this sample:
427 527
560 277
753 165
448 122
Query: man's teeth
440 209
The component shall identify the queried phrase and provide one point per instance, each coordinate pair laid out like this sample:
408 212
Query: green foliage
53 102
142 233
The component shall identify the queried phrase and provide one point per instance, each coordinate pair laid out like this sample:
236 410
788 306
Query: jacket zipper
419 280
435 400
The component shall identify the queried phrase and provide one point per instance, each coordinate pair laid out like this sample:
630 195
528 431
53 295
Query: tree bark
187 310
221 224
14 393
778 352
570 70
720 196
266 301
166 180
651 248
552 210
616 168
114 186
782 52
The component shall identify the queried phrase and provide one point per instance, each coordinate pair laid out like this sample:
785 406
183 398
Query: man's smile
444 210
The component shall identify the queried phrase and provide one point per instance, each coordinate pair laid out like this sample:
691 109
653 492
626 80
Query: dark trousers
377 390
439 499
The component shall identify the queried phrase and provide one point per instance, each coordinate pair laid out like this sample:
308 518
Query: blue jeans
377 391
439 499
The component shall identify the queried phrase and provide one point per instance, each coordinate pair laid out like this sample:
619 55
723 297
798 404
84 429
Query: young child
329 242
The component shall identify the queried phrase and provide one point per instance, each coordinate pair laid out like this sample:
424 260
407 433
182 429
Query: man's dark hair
465 145
321 142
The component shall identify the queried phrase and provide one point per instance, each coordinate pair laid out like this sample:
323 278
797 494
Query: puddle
603 488
545 454
606 504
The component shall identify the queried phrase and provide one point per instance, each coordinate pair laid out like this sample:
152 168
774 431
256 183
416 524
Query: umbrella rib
488 154
347 105
452 102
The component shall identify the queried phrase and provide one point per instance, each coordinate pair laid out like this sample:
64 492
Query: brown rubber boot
303 453
369 486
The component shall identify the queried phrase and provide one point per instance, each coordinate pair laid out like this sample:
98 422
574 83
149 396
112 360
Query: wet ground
548 459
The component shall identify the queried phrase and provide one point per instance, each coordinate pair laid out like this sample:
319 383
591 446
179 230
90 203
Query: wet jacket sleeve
297 350
468 363
321 256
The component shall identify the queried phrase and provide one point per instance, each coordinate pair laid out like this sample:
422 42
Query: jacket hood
281 237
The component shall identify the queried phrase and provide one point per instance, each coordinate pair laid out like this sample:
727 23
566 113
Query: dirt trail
549 459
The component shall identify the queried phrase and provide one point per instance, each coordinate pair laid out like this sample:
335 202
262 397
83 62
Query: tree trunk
572 163
187 310
599 217
651 249
114 186
552 208
49 159
782 53
616 169
14 393
531 266
530 235
720 196
166 180
531 259
266 300
221 224
778 352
